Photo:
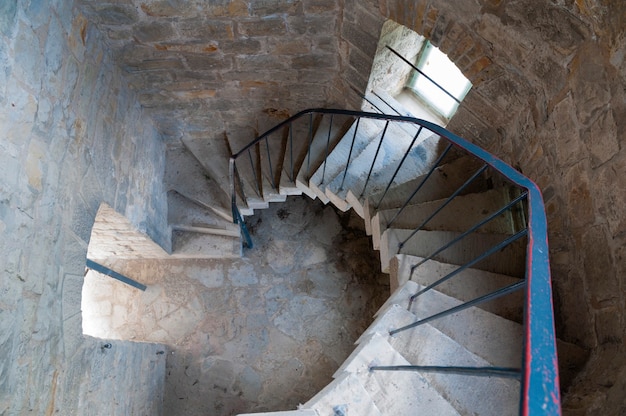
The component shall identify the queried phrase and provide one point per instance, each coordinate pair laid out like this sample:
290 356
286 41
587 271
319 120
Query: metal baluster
430 172
293 179
330 127
254 172
402 161
442 206
471 230
269 160
491 296
308 161
470 263
345 172
375 157
501 372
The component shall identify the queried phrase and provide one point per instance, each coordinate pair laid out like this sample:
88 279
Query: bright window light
440 69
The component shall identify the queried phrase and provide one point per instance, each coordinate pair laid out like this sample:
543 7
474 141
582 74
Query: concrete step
510 260
335 165
460 214
467 285
427 346
186 175
185 214
395 393
296 151
395 144
441 184
489 336
343 396
324 141
201 245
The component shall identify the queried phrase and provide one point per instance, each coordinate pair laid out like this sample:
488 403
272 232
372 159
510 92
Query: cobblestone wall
71 136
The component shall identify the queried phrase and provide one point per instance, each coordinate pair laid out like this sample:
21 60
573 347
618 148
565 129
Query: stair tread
466 285
460 214
186 175
427 346
441 184
335 166
194 245
489 336
389 389
186 212
321 145
509 260
346 393
395 144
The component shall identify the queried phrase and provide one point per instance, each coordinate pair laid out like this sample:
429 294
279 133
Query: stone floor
260 333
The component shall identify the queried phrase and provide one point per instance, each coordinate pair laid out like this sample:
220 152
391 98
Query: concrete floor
260 333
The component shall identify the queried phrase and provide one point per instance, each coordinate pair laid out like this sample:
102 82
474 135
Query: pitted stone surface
247 334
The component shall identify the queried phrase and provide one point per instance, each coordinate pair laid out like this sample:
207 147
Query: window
436 65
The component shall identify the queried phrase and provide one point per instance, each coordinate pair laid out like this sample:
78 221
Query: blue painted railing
539 372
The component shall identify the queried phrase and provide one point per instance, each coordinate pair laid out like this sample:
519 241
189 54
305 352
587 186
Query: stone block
601 139
360 39
156 31
116 14
319 61
570 146
269 26
206 29
579 200
269 7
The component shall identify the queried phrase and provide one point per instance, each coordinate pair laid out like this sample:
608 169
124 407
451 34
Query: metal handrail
539 382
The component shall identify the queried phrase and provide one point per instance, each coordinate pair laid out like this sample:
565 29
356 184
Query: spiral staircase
468 329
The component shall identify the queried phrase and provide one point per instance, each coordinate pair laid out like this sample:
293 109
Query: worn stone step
324 141
427 346
510 260
298 138
186 214
200 245
395 144
441 184
489 336
337 160
395 393
467 285
344 395
460 215
186 175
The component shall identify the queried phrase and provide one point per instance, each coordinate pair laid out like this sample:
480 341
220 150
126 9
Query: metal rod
422 73
269 160
419 131
256 179
308 160
470 263
292 178
243 229
430 172
345 172
491 296
382 137
502 372
108 272
471 230
330 128
445 203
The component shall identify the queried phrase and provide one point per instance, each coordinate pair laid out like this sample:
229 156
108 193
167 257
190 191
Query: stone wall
549 98
71 136
230 69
